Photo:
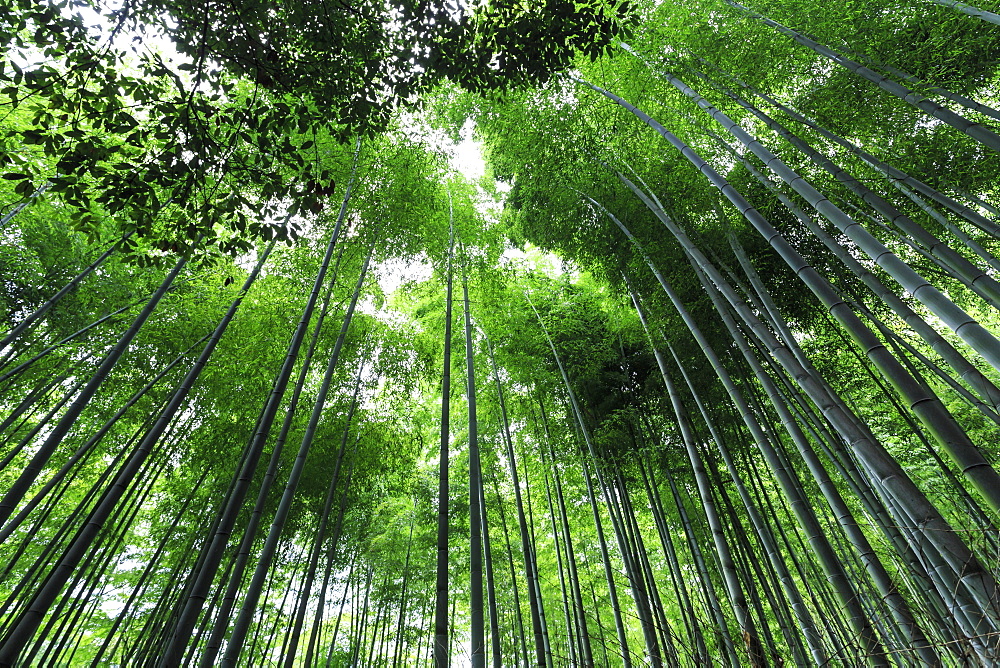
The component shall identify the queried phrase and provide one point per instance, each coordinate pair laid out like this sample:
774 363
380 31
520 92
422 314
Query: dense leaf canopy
702 369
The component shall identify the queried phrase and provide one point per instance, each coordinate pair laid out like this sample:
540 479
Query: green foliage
286 120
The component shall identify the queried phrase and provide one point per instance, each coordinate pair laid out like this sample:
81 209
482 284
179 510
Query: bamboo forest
508 333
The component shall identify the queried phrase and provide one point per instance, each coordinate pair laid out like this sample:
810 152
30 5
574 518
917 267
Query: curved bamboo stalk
806 623
979 281
970 10
913 634
967 566
965 369
893 174
736 593
966 327
871 648
975 130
